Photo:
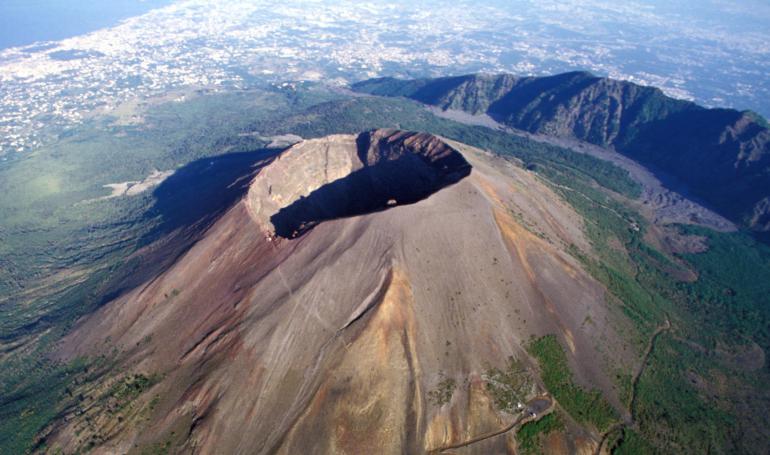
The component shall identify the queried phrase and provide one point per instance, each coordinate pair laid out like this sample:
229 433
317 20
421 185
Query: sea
24 22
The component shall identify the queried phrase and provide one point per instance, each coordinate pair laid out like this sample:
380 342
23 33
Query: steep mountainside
371 293
722 155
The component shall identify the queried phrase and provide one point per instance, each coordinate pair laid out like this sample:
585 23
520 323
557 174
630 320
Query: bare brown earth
331 341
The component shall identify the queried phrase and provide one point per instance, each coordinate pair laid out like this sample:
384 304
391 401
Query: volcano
369 293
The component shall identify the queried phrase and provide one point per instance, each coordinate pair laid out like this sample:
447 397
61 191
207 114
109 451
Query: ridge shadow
186 204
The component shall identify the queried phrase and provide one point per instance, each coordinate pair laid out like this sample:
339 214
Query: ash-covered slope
379 321
722 155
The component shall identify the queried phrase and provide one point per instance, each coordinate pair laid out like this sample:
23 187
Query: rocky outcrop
721 155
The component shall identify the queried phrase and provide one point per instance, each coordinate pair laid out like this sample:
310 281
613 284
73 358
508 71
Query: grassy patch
632 443
585 406
126 390
29 404
667 400
732 293
159 448
443 392
623 380
529 434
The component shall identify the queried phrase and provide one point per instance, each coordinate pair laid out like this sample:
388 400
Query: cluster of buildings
221 44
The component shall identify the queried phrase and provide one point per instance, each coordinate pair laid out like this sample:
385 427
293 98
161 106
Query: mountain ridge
722 155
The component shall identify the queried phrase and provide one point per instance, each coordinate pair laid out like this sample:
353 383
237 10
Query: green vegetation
585 406
160 448
727 305
732 293
616 235
667 399
509 387
126 390
623 381
443 392
27 402
529 434
54 229
631 443
118 402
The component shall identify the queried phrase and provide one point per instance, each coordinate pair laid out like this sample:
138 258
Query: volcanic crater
350 175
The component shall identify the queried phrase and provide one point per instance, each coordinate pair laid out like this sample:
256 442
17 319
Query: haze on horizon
714 52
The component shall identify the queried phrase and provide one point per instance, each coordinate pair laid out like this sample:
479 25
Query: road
666 326
535 409
539 406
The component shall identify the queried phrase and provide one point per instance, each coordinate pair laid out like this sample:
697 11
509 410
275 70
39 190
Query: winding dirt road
542 405
666 326
535 409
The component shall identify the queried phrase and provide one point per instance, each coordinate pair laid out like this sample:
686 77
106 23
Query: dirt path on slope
666 326
536 408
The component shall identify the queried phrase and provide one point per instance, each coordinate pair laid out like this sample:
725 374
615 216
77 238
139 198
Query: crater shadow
205 188
405 180
186 204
